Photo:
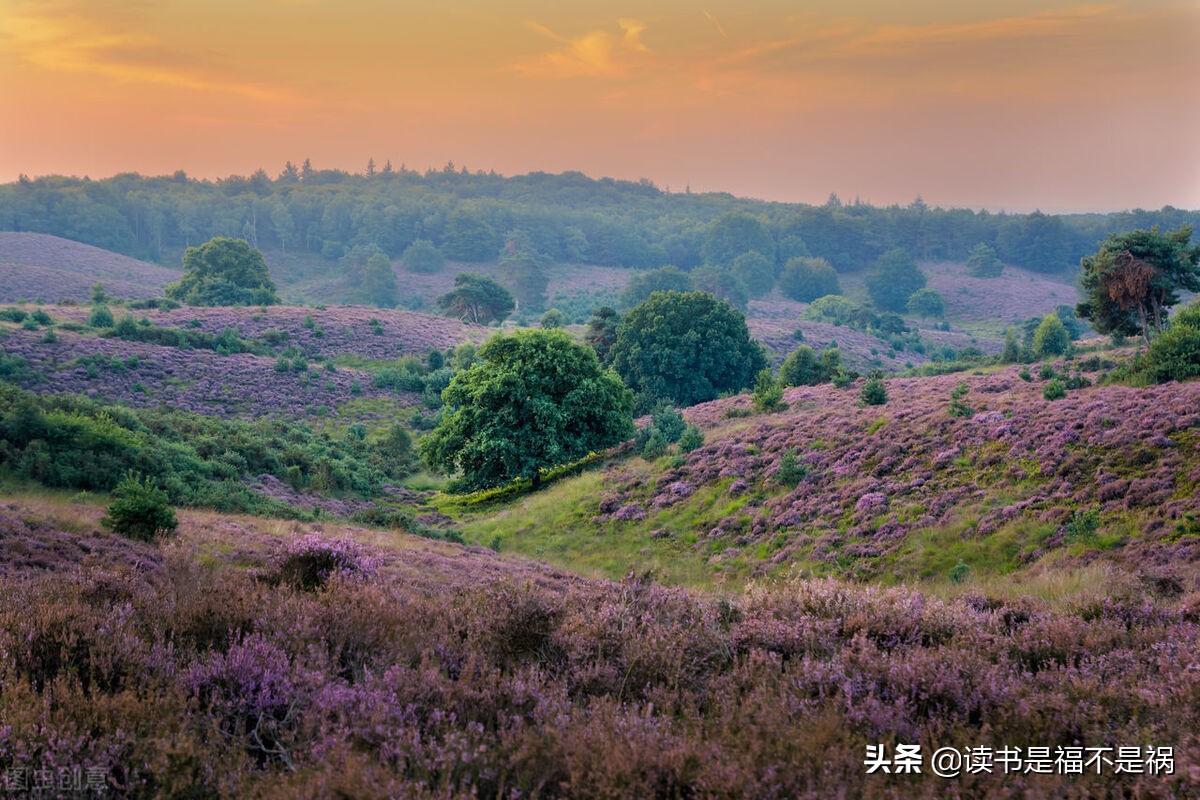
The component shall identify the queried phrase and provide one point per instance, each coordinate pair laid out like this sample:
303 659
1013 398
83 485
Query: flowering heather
874 477
1016 295
35 265
454 672
334 331
202 381
307 562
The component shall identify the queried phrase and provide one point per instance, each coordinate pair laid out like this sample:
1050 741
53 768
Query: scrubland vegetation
887 486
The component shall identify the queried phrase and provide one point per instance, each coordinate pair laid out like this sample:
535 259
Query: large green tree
686 347
806 279
476 298
535 400
893 279
224 272
1130 285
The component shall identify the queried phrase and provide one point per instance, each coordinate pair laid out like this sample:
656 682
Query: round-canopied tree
894 279
422 256
224 272
806 279
536 399
926 303
686 347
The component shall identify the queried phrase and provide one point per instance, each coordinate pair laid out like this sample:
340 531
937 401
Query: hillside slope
903 491
36 265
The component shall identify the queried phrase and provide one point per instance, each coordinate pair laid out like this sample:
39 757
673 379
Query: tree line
567 218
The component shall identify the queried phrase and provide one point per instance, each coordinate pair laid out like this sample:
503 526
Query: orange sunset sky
996 103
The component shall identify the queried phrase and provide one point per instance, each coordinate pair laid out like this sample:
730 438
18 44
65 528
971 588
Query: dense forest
567 218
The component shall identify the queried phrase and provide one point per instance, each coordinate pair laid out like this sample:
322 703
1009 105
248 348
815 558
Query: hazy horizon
1010 106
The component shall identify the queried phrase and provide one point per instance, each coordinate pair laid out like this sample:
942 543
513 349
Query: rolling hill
37 265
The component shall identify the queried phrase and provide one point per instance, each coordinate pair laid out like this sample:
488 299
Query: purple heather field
254 658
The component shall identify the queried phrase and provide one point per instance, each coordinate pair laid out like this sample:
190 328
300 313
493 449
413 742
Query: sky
999 104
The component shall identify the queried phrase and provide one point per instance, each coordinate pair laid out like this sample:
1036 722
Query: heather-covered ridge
203 381
421 669
318 332
36 265
902 491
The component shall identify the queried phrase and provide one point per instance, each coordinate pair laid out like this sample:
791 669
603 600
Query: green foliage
423 257
1012 351
721 284
686 347
527 267
536 400
69 442
601 331
958 408
790 472
12 314
806 279
755 272
1054 390
644 284
1051 337
874 393
893 279
379 281
983 263
553 319
476 298
768 392
733 234
100 317
1082 526
691 439
665 428
1130 284
1175 354
927 303
960 572
224 272
140 510
468 237
802 368
832 308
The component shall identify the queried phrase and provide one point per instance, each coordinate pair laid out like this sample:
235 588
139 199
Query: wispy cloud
70 37
598 53
717 25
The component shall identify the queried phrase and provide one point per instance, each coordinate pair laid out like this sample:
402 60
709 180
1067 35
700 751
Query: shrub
957 407
1054 390
666 427
768 392
100 317
960 572
874 393
691 439
789 472
1051 337
139 510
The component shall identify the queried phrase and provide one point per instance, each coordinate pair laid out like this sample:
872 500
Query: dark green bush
140 510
